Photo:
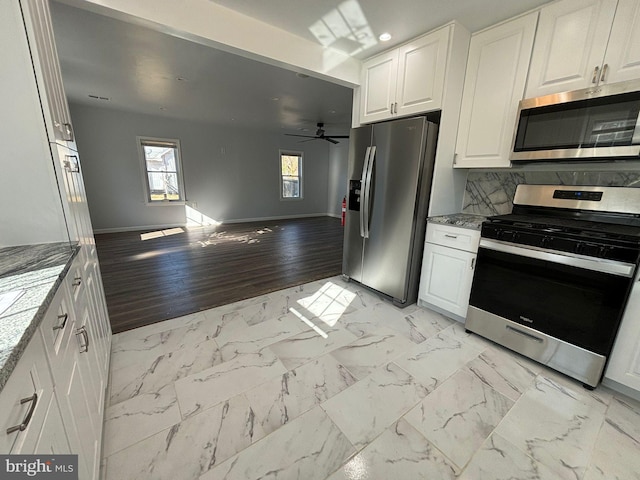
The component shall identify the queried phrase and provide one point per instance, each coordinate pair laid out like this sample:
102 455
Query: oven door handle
571 259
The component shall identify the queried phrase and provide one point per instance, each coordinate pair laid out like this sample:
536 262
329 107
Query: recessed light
384 37
332 112
275 99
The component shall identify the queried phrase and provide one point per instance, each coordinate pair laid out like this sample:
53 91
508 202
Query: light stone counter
29 279
462 220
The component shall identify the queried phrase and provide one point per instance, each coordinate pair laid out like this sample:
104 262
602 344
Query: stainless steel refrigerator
389 174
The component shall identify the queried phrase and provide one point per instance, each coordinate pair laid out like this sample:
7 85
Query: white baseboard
232 220
137 228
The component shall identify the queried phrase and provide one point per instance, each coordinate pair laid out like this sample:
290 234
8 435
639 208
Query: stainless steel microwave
598 123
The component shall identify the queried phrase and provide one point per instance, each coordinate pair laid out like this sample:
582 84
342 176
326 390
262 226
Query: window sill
166 203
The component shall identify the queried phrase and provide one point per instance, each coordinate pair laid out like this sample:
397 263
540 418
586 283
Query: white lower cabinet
57 389
25 400
624 364
447 269
79 364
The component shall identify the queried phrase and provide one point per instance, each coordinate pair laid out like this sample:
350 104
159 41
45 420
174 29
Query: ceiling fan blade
337 136
330 140
294 135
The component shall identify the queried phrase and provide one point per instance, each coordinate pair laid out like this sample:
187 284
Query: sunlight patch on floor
161 233
316 328
217 238
329 303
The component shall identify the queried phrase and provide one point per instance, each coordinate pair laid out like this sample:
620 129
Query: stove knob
579 247
546 241
602 252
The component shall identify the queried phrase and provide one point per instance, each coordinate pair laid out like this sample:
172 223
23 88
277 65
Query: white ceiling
332 22
142 70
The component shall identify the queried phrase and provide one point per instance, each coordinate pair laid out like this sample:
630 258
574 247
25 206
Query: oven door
558 308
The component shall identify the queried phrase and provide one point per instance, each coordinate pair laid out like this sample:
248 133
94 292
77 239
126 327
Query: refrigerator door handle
363 181
367 192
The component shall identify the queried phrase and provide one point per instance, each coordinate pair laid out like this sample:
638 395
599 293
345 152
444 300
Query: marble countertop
29 278
463 220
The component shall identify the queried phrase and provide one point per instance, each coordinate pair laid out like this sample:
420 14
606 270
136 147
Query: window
290 175
162 172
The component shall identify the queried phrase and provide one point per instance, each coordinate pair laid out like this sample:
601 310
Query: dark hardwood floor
147 281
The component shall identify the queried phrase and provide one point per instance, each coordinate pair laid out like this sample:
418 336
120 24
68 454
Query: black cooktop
575 226
610 237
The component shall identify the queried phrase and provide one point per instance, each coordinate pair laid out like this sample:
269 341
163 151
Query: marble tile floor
327 381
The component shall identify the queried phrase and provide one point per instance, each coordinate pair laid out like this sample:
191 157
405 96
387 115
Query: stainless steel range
552 278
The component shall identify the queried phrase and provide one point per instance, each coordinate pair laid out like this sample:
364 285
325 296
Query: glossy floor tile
328 381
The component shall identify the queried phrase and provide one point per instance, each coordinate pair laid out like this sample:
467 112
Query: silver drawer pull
450 236
526 334
77 281
83 331
25 423
61 325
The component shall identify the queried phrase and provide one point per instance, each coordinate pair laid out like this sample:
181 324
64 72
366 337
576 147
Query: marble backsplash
491 193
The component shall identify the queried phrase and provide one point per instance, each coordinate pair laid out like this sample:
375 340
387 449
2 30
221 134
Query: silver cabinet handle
473 263
68 130
391 108
25 423
605 67
450 236
395 107
77 281
594 79
71 166
83 331
61 325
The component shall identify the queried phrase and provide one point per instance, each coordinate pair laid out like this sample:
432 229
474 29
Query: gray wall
337 187
231 174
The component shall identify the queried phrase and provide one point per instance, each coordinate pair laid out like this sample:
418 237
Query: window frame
170 142
300 156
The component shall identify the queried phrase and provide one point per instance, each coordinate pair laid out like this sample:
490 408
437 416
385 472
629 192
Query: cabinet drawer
454 237
25 399
56 323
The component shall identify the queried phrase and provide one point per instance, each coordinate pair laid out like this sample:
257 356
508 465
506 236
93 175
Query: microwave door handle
363 181
367 192
636 134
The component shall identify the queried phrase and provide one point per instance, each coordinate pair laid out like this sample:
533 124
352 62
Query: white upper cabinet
582 43
421 70
494 84
48 76
622 61
378 88
406 80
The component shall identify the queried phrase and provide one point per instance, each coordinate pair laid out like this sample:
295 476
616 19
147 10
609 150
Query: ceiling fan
319 135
